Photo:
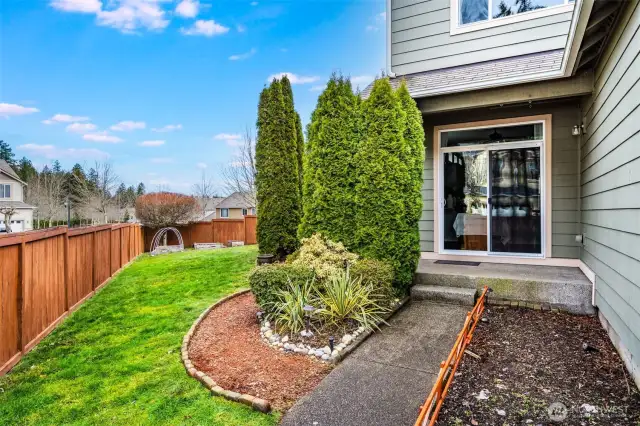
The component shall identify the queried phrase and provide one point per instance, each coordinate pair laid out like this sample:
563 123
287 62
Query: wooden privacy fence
215 231
46 274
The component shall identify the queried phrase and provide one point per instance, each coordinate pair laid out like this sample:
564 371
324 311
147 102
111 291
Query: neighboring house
210 209
12 195
547 102
235 206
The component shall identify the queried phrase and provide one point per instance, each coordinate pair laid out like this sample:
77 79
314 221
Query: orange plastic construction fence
431 408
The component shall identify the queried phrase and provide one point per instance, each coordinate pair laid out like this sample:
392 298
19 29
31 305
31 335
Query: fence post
21 293
110 250
94 251
66 270
121 251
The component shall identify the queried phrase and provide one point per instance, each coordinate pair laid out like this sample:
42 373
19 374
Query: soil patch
532 359
227 347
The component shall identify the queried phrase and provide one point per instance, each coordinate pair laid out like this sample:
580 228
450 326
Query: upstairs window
244 212
476 11
5 191
224 212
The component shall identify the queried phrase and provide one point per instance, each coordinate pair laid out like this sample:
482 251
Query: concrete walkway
386 379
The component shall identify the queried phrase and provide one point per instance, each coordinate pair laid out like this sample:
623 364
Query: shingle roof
235 201
446 80
16 204
7 169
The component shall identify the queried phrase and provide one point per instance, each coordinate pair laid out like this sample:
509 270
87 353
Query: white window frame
545 183
245 212
222 215
4 190
456 28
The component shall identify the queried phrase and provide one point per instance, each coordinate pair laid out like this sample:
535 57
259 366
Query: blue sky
162 88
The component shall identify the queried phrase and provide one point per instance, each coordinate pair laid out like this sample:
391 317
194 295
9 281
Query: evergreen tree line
361 173
94 194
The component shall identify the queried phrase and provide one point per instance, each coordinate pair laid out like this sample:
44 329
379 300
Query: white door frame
545 185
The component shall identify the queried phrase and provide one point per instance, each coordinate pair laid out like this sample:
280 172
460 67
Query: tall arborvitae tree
277 188
330 176
383 177
413 157
300 147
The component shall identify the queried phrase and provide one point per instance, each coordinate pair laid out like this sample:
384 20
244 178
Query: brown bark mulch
227 347
531 359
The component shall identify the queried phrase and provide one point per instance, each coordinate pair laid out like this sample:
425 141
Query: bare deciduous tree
159 209
204 191
46 191
7 212
96 191
240 174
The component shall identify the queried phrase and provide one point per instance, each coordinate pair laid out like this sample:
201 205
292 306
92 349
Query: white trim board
549 261
455 28
546 178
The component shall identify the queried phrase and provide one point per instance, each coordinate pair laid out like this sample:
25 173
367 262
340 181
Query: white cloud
81 127
127 126
80 6
188 8
152 143
167 128
7 110
239 163
205 28
201 165
379 21
293 78
131 15
65 118
231 139
243 56
361 80
102 137
161 160
53 152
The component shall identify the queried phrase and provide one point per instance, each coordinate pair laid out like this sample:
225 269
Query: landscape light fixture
308 309
331 343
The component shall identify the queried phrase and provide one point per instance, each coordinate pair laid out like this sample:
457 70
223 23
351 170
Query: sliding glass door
515 200
491 191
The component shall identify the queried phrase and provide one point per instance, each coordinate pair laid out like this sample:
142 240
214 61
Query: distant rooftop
7 169
446 80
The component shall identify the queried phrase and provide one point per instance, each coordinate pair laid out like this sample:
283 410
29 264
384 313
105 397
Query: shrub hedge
268 280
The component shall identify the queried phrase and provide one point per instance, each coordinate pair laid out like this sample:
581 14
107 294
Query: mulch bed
227 347
531 359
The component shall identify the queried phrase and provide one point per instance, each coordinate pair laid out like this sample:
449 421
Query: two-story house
532 123
12 196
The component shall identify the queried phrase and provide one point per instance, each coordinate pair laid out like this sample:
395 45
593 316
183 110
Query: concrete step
454 295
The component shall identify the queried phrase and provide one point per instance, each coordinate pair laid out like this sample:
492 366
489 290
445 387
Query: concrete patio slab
386 379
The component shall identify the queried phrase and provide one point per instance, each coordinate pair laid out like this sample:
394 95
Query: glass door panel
516 219
465 200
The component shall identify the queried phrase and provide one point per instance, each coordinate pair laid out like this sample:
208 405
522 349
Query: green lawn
117 359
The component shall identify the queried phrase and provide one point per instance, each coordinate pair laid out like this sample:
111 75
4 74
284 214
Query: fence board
215 231
9 285
250 234
43 274
80 267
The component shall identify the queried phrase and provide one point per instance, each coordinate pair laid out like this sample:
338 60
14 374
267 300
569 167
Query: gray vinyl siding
565 215
421 39
610 182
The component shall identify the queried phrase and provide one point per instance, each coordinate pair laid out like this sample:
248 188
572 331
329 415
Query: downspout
388 39
580 237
